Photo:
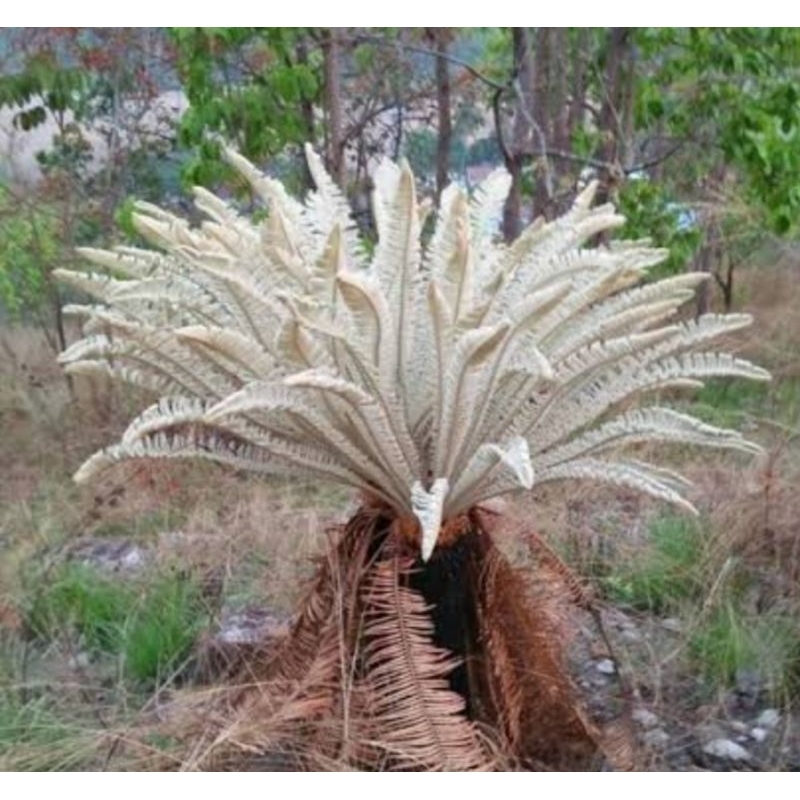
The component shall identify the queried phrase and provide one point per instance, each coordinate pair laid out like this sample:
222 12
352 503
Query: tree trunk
541 118
331 49
306 103
512 212
577 104
521 131
560 107
616 110
441 39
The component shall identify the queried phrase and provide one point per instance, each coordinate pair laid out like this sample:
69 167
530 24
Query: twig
411 48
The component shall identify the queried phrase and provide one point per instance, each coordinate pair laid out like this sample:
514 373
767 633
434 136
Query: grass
665 572
162 630
734 403
679 573
35 737
150 627
730 642
143 525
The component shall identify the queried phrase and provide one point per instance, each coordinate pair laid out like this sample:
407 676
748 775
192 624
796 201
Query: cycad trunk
396 664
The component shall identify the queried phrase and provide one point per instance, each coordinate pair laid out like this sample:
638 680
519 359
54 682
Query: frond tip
431 377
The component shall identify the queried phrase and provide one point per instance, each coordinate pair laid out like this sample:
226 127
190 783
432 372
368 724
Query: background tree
689 130
257 87
99 94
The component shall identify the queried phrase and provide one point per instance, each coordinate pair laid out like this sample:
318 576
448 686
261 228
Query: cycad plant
430 378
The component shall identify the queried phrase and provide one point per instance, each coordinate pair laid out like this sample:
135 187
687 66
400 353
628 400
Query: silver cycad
432 378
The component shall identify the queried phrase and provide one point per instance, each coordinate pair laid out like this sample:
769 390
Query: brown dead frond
410 713
527 678
396 664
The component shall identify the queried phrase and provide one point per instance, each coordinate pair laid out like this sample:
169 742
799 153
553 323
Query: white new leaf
427 508
428 377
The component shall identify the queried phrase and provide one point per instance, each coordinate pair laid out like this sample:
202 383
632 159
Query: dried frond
411 715
528 684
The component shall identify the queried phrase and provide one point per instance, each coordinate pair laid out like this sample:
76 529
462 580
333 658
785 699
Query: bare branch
412 48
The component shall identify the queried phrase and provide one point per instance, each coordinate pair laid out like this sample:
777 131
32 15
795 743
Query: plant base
396 664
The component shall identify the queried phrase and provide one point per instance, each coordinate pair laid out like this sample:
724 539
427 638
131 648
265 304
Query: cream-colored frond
432 377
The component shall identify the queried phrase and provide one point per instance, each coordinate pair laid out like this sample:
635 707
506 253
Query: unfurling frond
430 377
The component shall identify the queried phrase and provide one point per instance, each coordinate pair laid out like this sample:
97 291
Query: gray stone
749 683
605 666
768 718
759 734
672 624
250 626
726 749
630 634
79 661
109 555
656 737
239 635
645 718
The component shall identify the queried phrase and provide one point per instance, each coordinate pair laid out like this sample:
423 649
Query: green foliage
651 212
152 628
666 572
730 94
123 217
670 575
43 85
78 597
34 737
72 78
162 629
28 248
729 402
248 84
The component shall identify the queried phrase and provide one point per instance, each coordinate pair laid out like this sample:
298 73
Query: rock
657 738
759 734
726 749
250 626
630 635
79 661
606 666
108 555
738 726
239 636
645 718
626 628
672 624
749 683
768 718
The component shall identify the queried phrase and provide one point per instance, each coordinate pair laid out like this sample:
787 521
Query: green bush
162 629
77 597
